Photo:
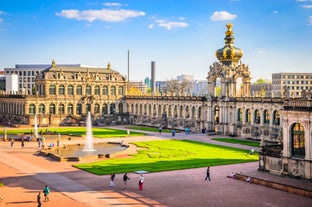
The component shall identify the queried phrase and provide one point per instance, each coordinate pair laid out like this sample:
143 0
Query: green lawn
80 131
164 155
238 141
148 129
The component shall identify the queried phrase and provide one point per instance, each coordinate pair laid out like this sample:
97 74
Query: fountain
78 152
36 127
89 135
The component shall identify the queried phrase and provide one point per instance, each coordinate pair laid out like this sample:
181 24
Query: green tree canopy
262 81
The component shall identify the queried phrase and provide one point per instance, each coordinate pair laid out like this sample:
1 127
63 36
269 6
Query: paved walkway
24 174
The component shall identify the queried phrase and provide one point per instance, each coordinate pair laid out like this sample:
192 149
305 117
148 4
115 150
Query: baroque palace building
65 94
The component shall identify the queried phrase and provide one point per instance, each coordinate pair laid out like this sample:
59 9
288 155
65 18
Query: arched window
32 109
297 140
113 90
61 109
248 116
104 109
266 117
78 109
88 107
187 112
112 108
96 108
88 90
79 90
97 90
120 90
70 109
257 117
120 108
193 112
159 109
240 115
70 90
276 118
52 109
105 90
52 90
199 113
61 90
41 109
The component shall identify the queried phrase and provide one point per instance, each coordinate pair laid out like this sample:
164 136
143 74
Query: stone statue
286 92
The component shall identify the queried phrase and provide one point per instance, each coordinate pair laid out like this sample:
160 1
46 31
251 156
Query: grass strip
79 131
165 155
148 129
238 141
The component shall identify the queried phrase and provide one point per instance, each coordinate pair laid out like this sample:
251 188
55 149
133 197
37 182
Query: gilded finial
229 31
53 63
108 66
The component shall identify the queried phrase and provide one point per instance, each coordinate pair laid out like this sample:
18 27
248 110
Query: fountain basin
76 152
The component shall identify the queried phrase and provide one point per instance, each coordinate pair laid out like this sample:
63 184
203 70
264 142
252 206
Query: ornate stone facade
64 94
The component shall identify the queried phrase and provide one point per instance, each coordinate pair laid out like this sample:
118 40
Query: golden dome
229 54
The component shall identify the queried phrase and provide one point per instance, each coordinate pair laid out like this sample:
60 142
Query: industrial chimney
153 82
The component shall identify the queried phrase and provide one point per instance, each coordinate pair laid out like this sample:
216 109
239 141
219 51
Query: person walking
112 182
46 192
208 174
141 182
125 179
160 129
39 143
39 199
12 142
22 142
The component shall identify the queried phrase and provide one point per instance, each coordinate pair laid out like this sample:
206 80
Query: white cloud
222 15
1 20
275 12
107 15
306 6
112 4
170 25
151 26
310 20
303 0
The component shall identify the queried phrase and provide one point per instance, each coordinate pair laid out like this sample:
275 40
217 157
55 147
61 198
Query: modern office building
2 81
27 74
295 83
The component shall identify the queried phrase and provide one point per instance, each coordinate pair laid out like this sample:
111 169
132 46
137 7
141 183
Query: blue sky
181 36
